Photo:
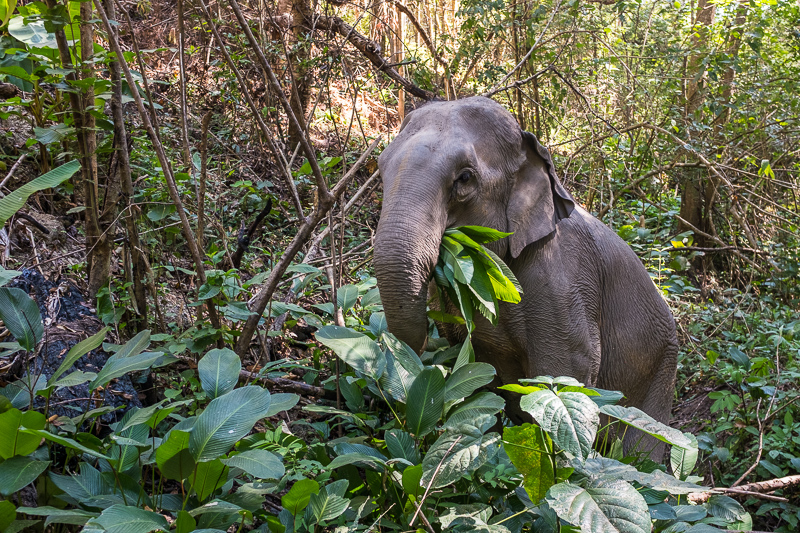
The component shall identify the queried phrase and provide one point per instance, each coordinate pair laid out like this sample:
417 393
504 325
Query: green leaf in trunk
467 379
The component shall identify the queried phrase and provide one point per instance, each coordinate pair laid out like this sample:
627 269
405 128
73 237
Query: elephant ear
538 200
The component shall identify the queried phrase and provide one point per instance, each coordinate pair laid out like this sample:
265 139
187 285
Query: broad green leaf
296 500
570 419
406 357
33 33
90 482
185 523
14 201
520 389
8 275
377 323
327 505
480 234
226 420
683 460
456 454
401 445
603 507
207 291
128 519
68 443
55 133
8 513
15 441
467 379
346 448
373 297
346 297
117 366
355 349
8 7
512 289
425 402
528 448
151 415
208 477
364 460
481 404
258 463
412 482
127 359
21 315
78 377
18 472
466 354
173 456
280 402
639 419
740 358
78 351
610 470
55 515
219 371
723 507
396 380
445 317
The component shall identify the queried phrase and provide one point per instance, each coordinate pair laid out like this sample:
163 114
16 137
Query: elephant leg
658 404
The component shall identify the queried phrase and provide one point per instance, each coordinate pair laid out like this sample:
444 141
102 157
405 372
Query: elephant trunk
406 250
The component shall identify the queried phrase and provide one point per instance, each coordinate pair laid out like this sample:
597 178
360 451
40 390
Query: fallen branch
298 387
756 489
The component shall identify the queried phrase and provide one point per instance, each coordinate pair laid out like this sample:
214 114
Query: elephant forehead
470 130
426 150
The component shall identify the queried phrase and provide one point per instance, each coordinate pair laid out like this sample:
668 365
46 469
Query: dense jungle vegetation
193 336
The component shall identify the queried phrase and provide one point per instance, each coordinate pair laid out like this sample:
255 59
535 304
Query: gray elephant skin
589 309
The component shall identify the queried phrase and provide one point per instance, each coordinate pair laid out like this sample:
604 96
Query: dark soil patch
69 319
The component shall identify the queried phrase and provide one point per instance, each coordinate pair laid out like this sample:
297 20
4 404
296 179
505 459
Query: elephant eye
464 176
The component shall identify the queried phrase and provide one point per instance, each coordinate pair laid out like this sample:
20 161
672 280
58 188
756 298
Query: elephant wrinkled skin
589 309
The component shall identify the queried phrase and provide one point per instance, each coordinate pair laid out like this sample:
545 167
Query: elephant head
457 163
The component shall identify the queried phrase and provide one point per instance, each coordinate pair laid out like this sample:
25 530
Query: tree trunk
300 11
121 173
693 189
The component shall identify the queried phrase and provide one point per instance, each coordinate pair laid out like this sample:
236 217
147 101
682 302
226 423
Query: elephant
589 308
